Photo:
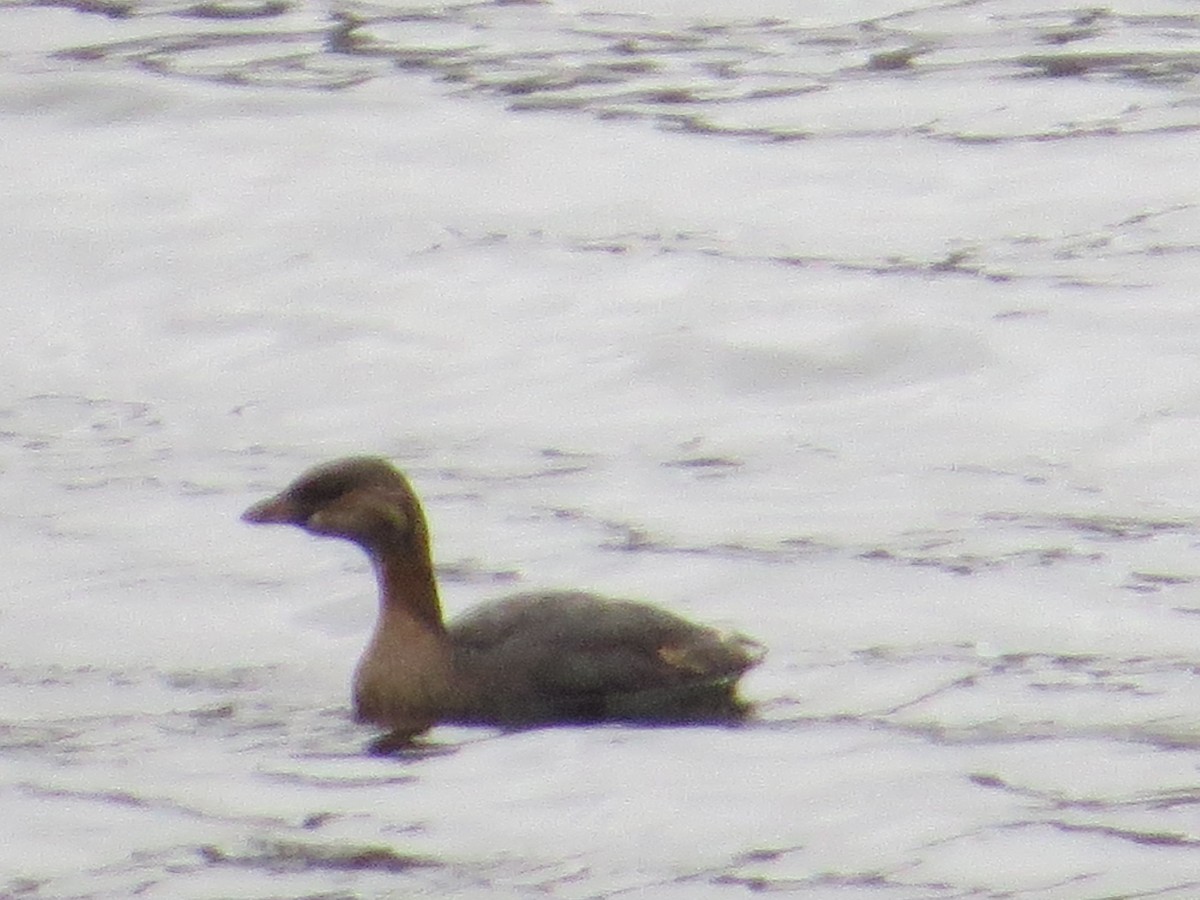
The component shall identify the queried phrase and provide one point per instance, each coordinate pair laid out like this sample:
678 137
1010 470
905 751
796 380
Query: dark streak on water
278 856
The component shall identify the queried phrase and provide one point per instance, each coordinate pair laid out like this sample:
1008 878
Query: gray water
867 329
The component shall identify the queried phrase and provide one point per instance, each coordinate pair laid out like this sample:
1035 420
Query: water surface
865 328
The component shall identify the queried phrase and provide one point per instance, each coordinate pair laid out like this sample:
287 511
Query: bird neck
407 588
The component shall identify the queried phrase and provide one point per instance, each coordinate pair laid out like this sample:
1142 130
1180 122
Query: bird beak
277 510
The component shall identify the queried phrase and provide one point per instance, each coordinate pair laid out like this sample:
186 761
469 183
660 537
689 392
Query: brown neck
407 588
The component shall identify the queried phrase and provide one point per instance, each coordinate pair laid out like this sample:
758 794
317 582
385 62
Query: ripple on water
709 73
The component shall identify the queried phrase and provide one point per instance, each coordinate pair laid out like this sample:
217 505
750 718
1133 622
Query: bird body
525 660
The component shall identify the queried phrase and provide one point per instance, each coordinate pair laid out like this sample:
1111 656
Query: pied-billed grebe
529 659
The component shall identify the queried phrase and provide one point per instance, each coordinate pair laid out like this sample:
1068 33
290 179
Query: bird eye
320 491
